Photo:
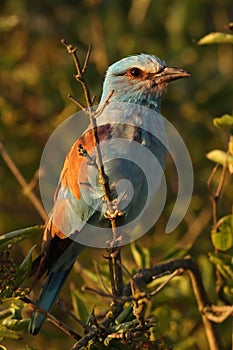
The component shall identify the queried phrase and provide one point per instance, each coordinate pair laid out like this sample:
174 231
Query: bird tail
57 275
48 296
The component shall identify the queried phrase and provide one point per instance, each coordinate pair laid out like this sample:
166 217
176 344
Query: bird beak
170 73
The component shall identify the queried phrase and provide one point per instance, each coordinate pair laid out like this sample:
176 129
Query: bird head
140 79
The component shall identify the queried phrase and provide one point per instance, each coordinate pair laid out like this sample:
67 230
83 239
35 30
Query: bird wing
58 251
71 210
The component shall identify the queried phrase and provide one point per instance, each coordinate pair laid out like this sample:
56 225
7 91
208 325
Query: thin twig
118 270
174 274
103 294
217 313
112 212
111 274
215 195
121 299
51 318
77 102
90 336
195 224
27 191
34 180
93 99
223 176
133 284
212 196
63 307
86 59
101 108
101 278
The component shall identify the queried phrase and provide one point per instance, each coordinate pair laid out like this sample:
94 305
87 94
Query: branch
177 272
112 212
51 318
147 275
91 335
218 314
79 76
214 197
61 304
27 190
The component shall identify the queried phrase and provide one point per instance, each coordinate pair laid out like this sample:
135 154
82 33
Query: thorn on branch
93 99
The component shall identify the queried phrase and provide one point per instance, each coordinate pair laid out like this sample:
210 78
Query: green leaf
91 275
80 309
19 235
28 347
125 326
127 311
8 23
24 269
216 38
16 325
8 333
228 291
222 237
220 157
230 144
2 347
141 255
16 310
163 315
5 313
176 252
120 328
225 121
224 264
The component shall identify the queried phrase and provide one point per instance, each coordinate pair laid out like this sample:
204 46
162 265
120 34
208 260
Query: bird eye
135 72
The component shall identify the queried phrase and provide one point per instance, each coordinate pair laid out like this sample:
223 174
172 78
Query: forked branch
112 212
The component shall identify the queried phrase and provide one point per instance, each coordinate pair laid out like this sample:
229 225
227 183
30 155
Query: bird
133 82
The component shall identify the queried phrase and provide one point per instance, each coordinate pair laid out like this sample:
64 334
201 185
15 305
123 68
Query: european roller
136 81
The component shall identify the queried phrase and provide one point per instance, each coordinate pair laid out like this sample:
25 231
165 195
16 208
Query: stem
214 196
112 213
51 318
27 191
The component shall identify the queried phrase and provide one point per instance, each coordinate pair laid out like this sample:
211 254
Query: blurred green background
36 77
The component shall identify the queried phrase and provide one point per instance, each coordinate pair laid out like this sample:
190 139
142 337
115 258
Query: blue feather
54 282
